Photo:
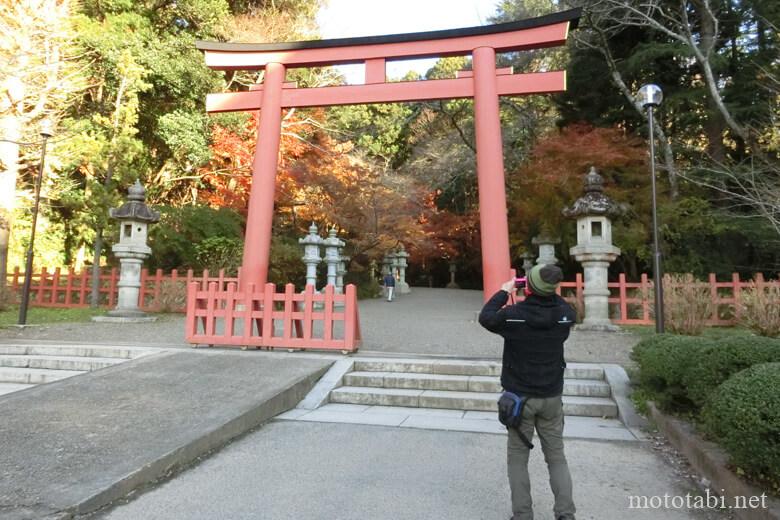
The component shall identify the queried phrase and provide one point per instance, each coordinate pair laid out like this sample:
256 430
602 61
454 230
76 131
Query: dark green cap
543 279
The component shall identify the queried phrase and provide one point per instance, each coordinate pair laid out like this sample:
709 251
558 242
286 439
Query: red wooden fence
70 289
266 318
629 302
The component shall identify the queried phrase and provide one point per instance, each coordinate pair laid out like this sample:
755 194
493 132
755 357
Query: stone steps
24 366
461 383
73 363
464 385
71 351
465 368
35 376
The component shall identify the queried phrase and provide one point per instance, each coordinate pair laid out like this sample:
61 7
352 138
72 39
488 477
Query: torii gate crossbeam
484 85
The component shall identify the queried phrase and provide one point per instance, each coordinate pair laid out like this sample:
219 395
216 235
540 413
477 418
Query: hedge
727 356
743 416
664 361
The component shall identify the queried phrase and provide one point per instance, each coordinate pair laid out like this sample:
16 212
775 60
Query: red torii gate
484 84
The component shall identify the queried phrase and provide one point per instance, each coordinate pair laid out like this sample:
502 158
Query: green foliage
175 238
726 357
185 135
664 361
286 264
367 287
219 252
743 416
380 129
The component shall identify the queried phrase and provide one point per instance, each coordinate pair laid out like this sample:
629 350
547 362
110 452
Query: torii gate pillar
493 225
260 217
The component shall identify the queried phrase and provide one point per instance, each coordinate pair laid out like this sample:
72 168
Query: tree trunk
10 133
94 299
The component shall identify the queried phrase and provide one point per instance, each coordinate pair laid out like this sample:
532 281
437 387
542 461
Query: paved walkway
437 322
65 440
295 470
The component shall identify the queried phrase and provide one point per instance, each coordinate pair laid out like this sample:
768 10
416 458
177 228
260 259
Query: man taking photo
534 331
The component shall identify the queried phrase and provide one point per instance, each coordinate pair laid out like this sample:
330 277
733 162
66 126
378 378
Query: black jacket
534 331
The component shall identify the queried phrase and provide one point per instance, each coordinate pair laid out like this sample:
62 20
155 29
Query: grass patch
42 315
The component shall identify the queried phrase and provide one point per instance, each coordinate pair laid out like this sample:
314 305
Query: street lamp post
651 96
45 133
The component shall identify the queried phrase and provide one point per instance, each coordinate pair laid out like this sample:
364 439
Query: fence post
112 288
737 292
349 317
83 287
69 287
41 285
623 296
714 298
645 303
55 287
190 327
15 283
267 321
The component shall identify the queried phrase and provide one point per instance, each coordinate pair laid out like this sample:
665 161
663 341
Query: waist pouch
510 413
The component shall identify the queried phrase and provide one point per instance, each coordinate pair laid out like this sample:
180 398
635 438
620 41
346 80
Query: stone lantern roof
135 208
593 201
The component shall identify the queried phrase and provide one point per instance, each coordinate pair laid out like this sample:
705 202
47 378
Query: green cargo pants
546 414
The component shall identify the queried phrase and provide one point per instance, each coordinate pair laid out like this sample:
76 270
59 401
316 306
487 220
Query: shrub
687 304
760 309
663 364
728 356
7 298
367 287
173 296
174 238
216 253
744 417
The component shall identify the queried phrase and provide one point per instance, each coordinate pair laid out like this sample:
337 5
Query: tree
37 77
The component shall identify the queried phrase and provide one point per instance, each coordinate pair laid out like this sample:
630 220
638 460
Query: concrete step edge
477 401
425 381
35 375
464 367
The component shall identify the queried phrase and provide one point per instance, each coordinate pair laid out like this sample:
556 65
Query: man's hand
509 286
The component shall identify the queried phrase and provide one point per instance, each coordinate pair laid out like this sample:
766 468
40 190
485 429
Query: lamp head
46 129
650 95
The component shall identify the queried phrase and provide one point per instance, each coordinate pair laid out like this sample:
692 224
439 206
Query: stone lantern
453 269
528 261
594 249
341 271
134 216
546 245
401 255
332 245
311 254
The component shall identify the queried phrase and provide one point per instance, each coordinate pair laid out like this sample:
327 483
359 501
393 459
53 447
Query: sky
351 18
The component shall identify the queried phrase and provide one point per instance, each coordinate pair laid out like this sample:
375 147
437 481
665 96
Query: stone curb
188 453
710 460
620 384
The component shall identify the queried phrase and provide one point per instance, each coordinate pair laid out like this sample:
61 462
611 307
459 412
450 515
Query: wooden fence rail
55 288
267 318
630 303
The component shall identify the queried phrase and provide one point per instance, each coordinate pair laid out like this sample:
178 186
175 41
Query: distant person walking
389 284
534 331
